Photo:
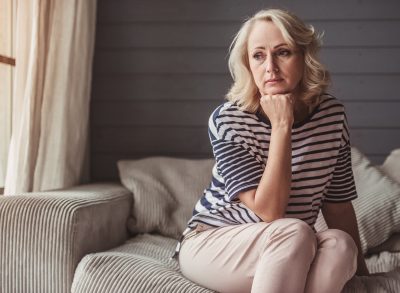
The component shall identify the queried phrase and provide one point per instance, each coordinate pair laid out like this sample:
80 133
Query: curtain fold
54 51
6 80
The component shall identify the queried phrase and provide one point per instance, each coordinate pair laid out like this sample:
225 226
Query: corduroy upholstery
142 264
43 236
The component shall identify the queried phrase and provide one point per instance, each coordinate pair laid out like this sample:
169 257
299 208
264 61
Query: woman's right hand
279 109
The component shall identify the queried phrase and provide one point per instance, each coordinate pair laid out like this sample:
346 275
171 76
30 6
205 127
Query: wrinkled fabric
54 52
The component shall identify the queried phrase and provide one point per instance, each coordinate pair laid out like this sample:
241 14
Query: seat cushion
391 165
142 264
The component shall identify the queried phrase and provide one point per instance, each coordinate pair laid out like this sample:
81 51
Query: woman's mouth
273 80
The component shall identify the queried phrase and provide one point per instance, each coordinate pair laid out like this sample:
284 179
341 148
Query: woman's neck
301 111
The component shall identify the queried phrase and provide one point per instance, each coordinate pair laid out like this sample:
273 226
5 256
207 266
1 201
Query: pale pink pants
282 256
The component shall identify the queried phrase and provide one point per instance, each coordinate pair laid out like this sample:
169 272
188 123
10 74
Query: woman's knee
344 243
300 233
344 248
297 227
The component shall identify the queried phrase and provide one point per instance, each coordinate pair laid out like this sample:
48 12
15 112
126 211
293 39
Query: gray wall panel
150 113
196 113
371 87
160 87
151 140
375 141
214 60
197 35
187 140
220 34
359 33
373 114
104 165
160 68
228 10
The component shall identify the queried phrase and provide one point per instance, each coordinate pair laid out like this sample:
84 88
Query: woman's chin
276 92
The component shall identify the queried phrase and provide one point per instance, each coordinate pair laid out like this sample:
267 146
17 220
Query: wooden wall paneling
237 10
375 141
359 33
104 165
187 140
366 87
148 113
373 114
220 34
151 140
160 87
160 68
172 87
167 34
214 60
196 113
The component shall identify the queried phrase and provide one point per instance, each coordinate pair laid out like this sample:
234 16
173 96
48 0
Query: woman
282 153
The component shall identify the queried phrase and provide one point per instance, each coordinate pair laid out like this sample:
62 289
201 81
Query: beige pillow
165 191
391 245
377 206
391 166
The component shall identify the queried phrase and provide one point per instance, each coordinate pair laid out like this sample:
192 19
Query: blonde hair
244 91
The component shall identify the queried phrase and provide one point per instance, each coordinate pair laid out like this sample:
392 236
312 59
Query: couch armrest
44 235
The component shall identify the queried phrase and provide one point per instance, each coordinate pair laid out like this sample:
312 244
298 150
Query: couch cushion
391 166
165 191
377 206
142 264
391 245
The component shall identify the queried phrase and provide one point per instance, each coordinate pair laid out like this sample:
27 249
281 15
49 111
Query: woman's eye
258 56
284 53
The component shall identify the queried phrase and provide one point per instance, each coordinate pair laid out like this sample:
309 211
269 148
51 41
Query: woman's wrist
282 126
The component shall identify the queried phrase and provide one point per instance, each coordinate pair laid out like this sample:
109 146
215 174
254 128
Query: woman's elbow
266 209
270 216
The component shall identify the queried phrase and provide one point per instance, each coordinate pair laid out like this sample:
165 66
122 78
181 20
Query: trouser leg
262 257
285 262
335 262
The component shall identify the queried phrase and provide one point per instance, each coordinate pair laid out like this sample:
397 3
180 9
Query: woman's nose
270 65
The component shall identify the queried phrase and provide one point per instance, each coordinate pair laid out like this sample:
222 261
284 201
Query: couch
119 237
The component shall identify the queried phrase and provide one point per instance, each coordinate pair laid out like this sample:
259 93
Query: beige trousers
282 256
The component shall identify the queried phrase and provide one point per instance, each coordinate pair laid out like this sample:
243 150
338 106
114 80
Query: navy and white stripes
321 164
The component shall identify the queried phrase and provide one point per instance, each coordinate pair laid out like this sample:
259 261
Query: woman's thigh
223 259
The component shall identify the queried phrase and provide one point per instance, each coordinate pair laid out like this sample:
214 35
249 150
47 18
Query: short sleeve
342 186
237 163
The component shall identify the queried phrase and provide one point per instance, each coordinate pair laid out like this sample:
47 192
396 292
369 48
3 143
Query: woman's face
276 67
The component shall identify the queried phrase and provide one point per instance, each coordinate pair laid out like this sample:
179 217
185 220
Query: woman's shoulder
229 118
329 103
231 112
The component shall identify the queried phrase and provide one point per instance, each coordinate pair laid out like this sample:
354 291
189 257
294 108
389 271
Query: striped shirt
321 164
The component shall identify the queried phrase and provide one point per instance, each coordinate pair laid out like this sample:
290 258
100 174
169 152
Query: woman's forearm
269 200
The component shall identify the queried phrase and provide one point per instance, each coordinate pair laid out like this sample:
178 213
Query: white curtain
54 52
6 81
